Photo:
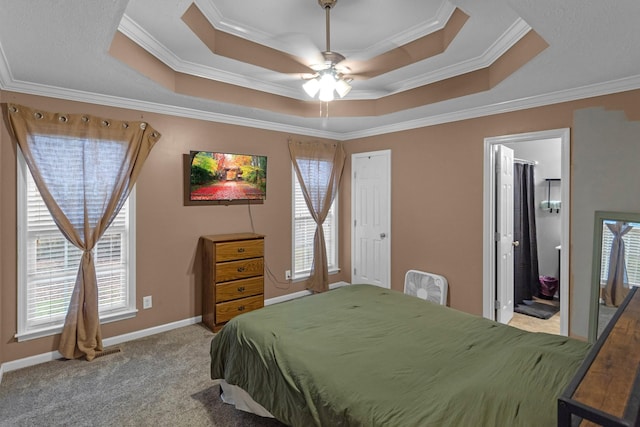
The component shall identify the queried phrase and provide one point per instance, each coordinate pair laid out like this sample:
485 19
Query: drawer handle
240 288
240 269
240 250
241 308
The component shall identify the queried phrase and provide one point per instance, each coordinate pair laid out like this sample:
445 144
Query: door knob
515 243
383 235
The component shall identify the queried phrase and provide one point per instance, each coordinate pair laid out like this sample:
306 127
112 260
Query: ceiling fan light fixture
326 94
327 85
311 87
329 79
342 87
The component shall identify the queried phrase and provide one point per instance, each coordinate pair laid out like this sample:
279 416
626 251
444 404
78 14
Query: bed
361 355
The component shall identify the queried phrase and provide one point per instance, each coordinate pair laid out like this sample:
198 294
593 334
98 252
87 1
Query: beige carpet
161 380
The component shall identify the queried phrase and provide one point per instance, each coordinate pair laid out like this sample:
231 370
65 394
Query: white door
504 235
371 213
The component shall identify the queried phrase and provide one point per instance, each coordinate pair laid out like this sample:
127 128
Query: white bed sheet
234 395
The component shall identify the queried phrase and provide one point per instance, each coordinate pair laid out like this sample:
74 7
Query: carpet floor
161 380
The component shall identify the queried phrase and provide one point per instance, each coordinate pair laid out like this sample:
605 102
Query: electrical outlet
287 275
147 302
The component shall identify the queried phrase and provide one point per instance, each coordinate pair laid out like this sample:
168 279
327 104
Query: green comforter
361 355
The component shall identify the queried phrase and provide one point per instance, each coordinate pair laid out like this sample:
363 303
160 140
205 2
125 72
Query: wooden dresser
233 276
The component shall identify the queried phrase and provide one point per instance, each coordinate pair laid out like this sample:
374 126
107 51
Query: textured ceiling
62 49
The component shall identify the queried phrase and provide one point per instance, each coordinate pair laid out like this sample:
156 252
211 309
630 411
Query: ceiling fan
330 77
328 72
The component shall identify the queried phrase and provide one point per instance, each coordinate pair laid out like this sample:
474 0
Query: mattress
362 355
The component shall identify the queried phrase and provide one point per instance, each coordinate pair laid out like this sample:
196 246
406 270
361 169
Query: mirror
615 265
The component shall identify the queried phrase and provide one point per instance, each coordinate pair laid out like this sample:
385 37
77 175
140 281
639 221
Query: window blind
632 254
304 228
52 264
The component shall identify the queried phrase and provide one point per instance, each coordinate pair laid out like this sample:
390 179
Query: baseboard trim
107 342
299 294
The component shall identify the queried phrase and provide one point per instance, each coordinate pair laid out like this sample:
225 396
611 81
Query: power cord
273 277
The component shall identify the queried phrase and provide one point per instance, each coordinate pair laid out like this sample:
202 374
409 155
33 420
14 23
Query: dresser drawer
233 270
239 289
242 249
232 276
226 311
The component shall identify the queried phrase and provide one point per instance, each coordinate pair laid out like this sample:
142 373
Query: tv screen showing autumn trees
227 177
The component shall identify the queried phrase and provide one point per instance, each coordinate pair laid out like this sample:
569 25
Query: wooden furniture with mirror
606 389
233 276
602 311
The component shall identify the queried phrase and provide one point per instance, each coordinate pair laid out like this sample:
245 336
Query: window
48 264
304 228
631 250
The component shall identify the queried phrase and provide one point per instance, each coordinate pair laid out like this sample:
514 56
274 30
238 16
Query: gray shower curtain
525 255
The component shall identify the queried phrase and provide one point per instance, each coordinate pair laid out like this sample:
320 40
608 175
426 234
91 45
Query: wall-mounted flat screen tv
216 177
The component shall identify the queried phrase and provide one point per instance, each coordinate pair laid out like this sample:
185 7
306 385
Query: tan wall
437 191
610 180
436 207
167 232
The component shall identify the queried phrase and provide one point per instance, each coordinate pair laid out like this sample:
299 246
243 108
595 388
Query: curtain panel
617 282
84 168
318 166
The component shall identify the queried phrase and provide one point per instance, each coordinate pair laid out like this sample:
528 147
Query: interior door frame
488 233
387 155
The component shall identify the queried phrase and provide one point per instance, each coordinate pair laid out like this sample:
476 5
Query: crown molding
583 92
5 71
515 32
510 37
239 29
141 37
167 109
438 22
615 86
144 39
8 83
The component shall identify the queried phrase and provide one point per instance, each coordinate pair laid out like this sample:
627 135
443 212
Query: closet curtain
84 168
617 281
525 256
318 166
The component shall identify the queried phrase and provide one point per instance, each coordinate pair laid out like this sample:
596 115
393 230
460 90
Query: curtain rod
529 162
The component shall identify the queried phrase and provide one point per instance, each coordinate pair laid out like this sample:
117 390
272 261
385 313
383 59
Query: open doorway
550 149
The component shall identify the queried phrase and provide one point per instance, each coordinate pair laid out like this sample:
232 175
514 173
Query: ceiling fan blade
363 69
301 46
286 77
355 76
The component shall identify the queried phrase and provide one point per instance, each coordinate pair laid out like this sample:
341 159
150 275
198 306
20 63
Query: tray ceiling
179 57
